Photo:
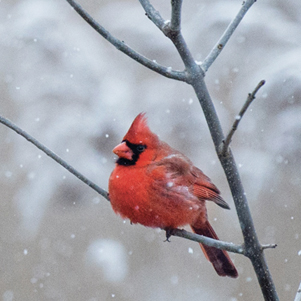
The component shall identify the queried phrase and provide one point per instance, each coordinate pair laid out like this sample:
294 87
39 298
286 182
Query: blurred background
65 85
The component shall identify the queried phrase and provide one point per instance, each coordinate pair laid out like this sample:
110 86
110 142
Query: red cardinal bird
157 186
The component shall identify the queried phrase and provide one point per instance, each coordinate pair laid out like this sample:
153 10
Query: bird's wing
203 188
179 171
169 174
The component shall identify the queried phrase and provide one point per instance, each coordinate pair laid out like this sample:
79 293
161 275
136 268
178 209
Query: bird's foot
169 233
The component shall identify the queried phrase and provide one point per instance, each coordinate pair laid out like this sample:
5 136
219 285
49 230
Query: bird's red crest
139 131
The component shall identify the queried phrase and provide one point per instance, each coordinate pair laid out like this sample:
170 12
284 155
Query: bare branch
173 31
55 157
176 7
120 45
228 246
153 14
250 98
220 45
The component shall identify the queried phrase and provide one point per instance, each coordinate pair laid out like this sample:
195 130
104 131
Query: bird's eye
140 148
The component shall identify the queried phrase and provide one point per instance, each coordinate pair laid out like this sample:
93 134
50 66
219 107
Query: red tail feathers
219 258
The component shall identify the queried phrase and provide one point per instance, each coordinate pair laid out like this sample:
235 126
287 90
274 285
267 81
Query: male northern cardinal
157 186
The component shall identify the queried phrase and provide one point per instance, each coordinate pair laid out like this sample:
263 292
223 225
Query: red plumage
157 186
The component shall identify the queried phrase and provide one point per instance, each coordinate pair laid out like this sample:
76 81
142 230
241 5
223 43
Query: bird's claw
169 233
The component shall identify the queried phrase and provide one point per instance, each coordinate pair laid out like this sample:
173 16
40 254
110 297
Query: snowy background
77 94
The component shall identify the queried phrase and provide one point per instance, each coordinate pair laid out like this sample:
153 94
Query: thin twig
250 98
120 45
220 45
228 246
55 157
298 295
270 246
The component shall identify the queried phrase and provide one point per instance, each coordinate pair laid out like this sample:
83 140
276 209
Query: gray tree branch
153 14
120 45
175 23
228 246
221 43
54 156
250 98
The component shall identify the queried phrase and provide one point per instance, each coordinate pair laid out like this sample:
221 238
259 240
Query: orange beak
123 151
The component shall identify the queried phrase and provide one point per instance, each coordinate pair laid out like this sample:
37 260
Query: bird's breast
152 202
